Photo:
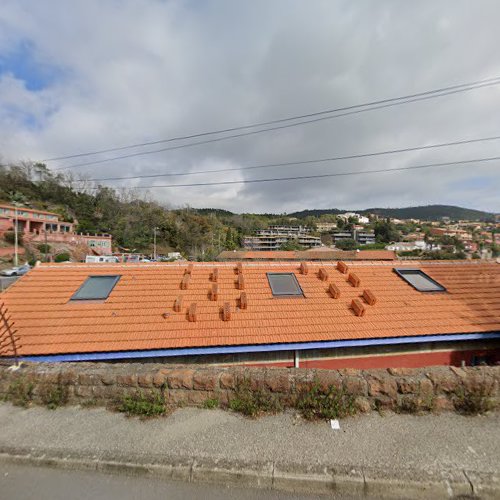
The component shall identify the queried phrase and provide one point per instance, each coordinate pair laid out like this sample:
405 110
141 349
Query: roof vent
214 294
243 300
303 268
215 275
334 291
189 269
369 297
226 312
322 274
178 304
354 280
241 282
358 307
342 267
192 312
185 282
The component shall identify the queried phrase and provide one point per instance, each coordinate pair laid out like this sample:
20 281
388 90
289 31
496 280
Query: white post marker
335 425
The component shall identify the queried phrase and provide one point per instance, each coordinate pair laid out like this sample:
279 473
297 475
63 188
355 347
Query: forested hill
429 212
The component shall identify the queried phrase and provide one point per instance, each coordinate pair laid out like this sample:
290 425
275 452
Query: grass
254 402
325 404
142 405
211 403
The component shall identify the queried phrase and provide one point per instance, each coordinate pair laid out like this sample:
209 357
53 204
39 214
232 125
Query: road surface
42 483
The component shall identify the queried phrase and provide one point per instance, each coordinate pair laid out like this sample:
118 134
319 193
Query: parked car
16 271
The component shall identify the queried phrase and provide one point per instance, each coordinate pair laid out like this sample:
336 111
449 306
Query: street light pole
154 243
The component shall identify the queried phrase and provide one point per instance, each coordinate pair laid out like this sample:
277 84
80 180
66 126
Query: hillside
429 212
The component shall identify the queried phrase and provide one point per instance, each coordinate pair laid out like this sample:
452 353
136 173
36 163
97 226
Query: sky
88 75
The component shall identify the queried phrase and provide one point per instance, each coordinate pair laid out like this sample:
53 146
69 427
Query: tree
347 244
385 231
291 244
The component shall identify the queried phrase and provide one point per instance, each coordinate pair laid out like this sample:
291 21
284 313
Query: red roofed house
40 226
330 314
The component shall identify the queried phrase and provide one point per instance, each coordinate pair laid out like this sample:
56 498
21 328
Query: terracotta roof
139 313
322 253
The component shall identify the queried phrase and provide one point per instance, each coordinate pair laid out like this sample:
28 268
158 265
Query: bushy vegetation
20 392
253 402
143 405
325 403
53 395
44 248
62 257
474 399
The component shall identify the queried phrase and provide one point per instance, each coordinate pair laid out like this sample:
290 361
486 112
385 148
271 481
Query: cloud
106 73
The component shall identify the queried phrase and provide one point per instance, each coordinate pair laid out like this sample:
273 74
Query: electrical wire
320 176
294 163
354 110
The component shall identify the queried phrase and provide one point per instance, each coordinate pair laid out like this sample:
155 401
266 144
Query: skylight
284 285
419 280
96 288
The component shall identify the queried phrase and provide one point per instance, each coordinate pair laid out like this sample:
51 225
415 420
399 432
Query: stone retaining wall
435 388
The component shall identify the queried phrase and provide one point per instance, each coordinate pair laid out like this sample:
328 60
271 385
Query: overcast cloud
91 74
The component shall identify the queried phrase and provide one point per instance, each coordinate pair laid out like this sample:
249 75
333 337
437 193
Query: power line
355 109
320 176
293 163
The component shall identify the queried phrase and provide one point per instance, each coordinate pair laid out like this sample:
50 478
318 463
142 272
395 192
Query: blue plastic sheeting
298 346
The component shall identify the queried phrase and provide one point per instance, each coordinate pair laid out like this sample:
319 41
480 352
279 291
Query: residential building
359 236
325 227
350 215
404 246
275 241
313 254
322 315
276 236
30 221
39 226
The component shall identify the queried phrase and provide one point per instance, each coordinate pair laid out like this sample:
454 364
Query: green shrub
10 237
44 247
253 403
53 395
329 403
143 405
62 257
20 392
211 403
475 399
415 404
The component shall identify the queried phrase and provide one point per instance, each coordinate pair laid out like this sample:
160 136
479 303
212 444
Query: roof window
96 288
419 280
284 285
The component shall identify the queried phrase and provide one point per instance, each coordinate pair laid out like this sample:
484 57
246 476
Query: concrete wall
99 383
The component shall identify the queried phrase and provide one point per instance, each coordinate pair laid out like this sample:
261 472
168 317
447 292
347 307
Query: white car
16 271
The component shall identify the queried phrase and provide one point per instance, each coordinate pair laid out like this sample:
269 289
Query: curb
314 479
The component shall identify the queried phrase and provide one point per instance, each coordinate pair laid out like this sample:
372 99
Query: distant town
41 235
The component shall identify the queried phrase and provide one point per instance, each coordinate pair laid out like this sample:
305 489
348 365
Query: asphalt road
42 483
6 281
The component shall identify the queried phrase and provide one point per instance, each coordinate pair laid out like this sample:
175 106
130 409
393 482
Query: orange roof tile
140 313
322 253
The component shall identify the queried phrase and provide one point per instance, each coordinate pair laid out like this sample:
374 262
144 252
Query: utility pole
16 257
